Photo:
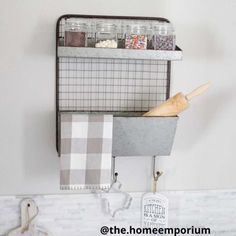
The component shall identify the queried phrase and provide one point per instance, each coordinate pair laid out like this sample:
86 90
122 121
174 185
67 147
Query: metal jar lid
75 25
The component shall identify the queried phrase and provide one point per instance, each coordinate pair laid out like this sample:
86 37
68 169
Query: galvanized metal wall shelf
124 82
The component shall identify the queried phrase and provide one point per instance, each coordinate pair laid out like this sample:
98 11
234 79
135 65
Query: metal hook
156 174
114 173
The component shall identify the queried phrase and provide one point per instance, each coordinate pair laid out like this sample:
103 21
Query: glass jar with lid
106 35
164 36
136 37
75 33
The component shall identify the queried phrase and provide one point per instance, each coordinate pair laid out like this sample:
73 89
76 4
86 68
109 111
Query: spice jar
106 35
164 37
75 33
136 37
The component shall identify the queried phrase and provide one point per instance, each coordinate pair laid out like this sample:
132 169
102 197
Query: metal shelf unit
124 82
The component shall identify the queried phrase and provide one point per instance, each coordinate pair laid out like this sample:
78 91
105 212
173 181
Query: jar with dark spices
164 36
136 37
75 33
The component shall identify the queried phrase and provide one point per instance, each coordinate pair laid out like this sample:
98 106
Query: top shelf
118 53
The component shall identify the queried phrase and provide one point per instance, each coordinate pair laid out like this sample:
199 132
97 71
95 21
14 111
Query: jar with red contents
136 37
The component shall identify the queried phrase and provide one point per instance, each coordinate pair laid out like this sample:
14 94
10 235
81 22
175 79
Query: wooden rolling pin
176 104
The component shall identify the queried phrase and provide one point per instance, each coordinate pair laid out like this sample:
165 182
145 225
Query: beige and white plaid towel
86 145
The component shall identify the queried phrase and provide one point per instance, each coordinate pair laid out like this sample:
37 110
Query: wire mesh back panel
93 84
109 85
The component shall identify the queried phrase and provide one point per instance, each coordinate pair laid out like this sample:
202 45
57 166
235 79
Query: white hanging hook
125 198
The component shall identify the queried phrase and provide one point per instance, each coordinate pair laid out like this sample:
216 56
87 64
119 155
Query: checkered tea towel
86 145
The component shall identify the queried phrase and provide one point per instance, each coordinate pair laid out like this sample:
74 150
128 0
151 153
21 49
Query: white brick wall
74 215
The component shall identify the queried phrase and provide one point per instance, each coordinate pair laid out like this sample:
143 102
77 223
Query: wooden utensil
176 104
29 212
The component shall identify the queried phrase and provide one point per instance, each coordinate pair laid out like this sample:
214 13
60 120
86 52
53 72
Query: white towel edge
81 187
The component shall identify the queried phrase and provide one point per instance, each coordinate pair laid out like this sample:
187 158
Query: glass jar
136 37
75 33
164 36
106 35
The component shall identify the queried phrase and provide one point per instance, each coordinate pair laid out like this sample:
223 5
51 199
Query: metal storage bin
143 136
